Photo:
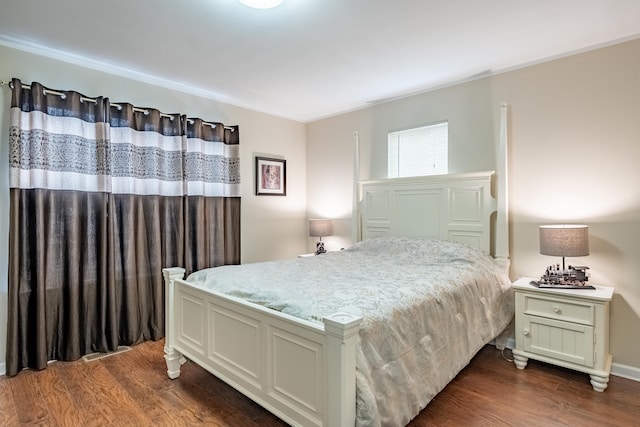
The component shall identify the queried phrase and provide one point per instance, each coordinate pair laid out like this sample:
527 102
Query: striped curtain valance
212 159
71 142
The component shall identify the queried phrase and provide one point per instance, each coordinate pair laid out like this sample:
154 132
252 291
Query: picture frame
271 176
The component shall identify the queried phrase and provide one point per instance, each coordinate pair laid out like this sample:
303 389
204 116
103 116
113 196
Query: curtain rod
118 106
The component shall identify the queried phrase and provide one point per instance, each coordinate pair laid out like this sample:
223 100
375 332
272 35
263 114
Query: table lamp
320 228
565 241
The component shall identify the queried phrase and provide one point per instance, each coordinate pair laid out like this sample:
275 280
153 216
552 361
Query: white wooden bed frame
303 372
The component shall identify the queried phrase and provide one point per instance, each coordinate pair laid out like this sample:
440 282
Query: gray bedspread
427 305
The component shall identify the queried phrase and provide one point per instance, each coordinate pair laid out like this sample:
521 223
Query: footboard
300 371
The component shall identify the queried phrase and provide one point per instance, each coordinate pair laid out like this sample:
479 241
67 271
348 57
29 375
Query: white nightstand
565 327
306 255
311 254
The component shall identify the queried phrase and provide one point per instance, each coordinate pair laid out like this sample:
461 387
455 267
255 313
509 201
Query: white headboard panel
454 207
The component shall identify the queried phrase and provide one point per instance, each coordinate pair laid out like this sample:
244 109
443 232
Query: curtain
100 203
212 170
147 215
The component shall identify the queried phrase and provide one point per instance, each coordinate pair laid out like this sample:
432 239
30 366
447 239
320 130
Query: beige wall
574 153
272 227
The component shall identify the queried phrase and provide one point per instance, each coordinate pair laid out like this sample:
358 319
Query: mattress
427 306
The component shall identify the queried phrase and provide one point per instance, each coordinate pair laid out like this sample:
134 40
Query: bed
355 359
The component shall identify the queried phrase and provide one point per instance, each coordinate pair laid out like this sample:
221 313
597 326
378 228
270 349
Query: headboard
451 207
458 207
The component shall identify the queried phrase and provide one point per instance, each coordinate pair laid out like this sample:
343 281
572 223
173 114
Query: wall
574 152
272 227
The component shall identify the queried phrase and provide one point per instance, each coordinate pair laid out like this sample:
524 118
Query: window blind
419 151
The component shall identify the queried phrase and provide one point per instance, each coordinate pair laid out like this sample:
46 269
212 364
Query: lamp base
320 248
563 285
575 277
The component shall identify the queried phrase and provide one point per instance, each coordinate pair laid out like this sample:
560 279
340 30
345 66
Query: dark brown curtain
148 237
148 215
58 286
212 203
99 205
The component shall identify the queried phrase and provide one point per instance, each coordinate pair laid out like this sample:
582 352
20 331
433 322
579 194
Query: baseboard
86 358
624 371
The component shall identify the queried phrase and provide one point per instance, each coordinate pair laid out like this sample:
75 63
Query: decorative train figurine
574 277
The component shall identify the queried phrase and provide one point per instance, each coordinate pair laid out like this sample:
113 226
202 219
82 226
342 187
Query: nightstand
565 327
307 255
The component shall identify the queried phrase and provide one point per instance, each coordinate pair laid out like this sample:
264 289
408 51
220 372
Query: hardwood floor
132 389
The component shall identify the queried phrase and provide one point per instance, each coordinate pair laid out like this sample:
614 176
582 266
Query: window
419 151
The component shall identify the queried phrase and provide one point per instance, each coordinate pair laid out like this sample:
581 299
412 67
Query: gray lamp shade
320 227
564 240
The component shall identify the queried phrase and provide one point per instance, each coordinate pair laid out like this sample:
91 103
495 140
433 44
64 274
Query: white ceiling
309 59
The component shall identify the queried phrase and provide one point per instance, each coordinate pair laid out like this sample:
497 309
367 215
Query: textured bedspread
427 305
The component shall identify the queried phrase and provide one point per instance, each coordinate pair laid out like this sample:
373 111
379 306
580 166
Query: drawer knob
525 332
556 309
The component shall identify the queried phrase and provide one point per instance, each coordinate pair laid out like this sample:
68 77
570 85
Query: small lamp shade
320 227
564 240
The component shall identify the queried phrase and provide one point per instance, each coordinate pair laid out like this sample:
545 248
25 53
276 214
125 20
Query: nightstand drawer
561 309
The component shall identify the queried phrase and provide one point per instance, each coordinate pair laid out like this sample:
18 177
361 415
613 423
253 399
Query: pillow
421 249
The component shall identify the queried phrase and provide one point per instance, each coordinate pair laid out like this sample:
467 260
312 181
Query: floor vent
96 356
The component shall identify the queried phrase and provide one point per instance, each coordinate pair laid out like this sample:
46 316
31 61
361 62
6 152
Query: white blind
419 151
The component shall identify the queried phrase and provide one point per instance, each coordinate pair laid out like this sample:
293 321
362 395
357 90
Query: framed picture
271 176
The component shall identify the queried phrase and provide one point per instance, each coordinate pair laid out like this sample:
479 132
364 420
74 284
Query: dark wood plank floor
132 389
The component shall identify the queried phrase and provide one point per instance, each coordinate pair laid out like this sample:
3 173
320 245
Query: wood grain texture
132 389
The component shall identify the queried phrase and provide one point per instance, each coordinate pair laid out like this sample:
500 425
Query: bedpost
173 358
340 366
356 225
502 190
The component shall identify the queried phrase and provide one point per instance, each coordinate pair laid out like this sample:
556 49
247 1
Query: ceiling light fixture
261 4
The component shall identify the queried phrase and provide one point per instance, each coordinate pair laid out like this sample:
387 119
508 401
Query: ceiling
310 59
